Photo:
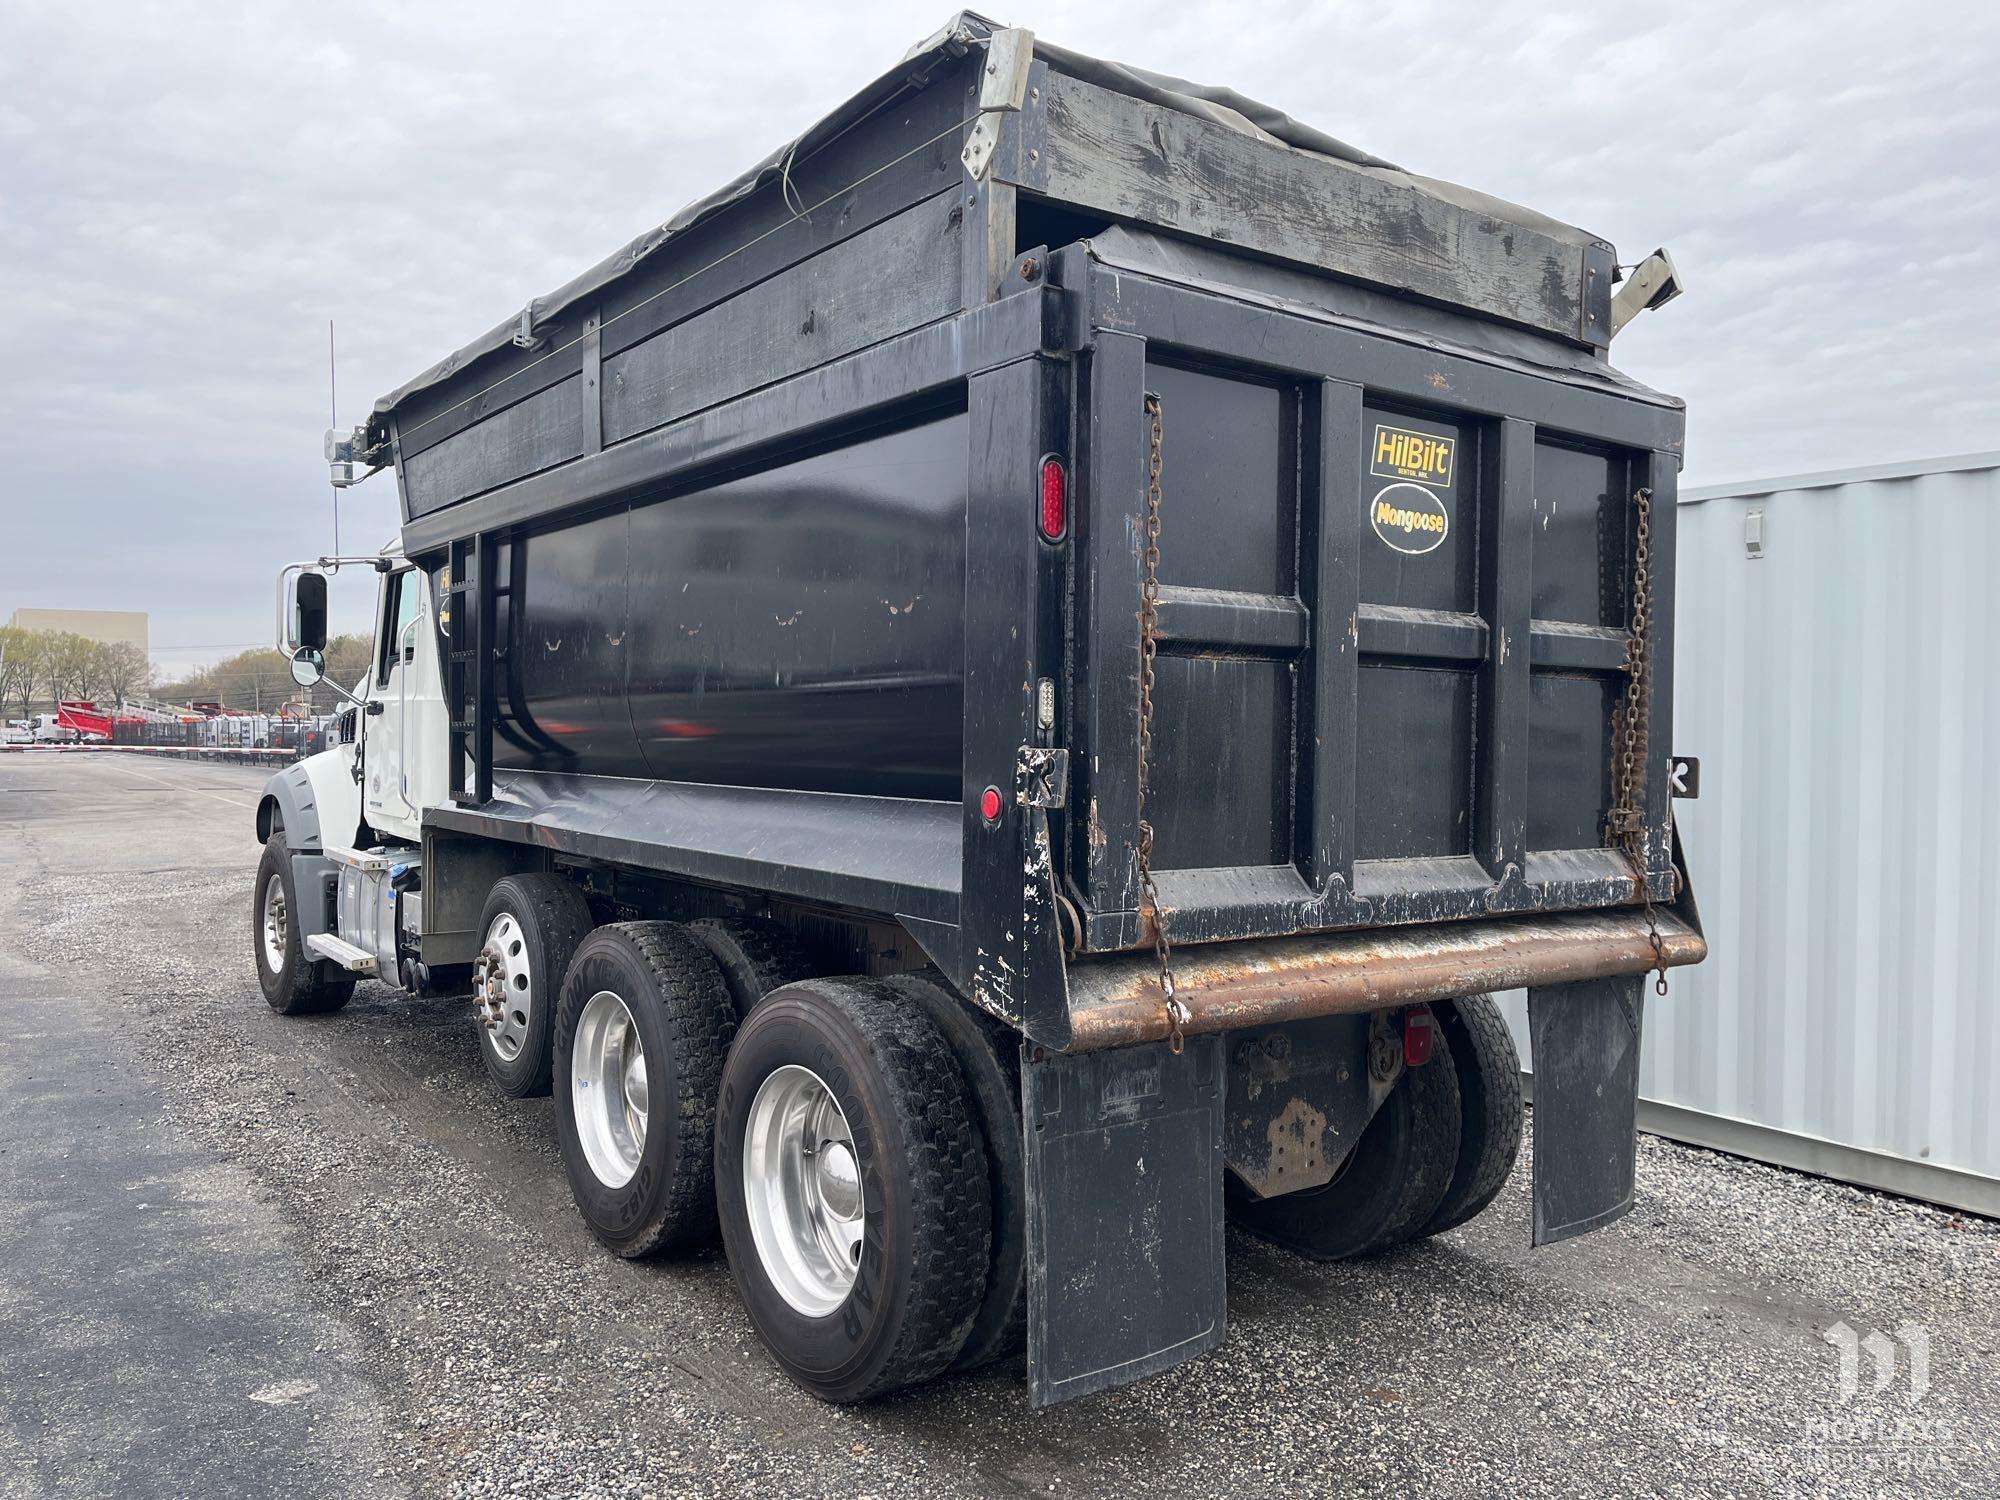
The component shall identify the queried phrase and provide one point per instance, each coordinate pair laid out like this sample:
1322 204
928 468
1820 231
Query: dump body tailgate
1396 586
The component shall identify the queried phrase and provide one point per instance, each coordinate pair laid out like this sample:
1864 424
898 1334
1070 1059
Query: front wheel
294 984
851 1181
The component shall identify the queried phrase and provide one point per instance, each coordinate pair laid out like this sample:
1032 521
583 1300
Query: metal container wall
1841 691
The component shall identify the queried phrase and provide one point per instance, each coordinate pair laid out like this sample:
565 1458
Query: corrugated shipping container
1836 677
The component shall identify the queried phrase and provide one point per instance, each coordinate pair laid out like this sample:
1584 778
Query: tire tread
1434 1151
1482 1053
312 989
756 956
1381 1198
947 1158
982 1045
912 1078
695 1006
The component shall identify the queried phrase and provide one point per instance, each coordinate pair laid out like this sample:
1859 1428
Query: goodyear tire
1489 1091
989 1057
756 957
852 1186
293 984
640 1035
531 927
1386 1190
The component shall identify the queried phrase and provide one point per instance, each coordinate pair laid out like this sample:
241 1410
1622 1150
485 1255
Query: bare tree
348 658
30 655
92 670
68 665
125 670
20 667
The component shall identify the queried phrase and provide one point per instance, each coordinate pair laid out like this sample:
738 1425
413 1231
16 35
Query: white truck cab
339 894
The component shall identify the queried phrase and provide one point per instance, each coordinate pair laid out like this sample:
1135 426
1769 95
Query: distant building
109 627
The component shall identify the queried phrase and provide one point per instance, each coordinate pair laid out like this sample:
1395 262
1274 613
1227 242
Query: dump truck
999 694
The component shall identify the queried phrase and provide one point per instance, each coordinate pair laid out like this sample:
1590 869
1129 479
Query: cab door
402 698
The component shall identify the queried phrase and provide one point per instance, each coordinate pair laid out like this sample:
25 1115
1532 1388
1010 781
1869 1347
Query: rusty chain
1149 650
1631 731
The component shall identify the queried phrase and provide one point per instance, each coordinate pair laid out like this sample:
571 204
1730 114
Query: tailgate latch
1041 778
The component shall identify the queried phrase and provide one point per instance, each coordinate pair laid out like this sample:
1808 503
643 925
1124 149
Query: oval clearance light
1055 500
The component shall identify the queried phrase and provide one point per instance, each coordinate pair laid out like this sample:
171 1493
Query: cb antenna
333 422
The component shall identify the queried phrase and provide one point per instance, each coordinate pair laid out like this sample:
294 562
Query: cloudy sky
189 192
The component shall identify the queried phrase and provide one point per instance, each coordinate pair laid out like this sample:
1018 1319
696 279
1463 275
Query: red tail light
1055 500
1419 1037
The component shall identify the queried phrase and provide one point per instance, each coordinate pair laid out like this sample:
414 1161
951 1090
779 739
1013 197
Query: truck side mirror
308 616
308 666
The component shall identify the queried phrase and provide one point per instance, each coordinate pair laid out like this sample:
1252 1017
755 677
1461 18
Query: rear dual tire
851 1180
1387 1189
533 925
1437 1153
643 1024
1488 1068
989 1059
755 957
833 1136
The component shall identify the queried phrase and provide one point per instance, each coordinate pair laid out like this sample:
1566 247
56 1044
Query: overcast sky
188 193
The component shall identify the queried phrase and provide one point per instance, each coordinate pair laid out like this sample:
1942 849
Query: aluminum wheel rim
275 924
507 953
802 1190
608 1091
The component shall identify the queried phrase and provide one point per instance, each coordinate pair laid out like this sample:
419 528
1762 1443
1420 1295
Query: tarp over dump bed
961 34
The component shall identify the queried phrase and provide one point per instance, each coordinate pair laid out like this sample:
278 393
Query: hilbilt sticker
1404 453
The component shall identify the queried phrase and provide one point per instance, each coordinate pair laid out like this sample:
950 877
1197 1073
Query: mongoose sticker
1409 518
1400 453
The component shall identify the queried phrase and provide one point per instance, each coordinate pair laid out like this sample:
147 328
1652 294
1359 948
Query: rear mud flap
1586 1052
1125 1238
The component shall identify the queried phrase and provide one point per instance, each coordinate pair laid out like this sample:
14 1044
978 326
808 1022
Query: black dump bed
736 537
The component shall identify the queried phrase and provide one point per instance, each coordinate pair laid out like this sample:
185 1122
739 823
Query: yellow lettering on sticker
1407 520
1401 452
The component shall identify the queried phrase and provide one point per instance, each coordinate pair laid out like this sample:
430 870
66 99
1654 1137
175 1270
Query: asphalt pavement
247 1255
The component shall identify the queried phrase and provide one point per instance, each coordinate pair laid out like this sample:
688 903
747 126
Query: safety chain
1149 650
1630 731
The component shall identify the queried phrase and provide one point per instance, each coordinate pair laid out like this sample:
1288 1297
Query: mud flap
1586 1052
1125 1238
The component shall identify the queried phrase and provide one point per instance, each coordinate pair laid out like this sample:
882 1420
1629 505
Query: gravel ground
422 1222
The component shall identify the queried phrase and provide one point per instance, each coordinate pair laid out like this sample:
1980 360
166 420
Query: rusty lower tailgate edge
1115 1002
